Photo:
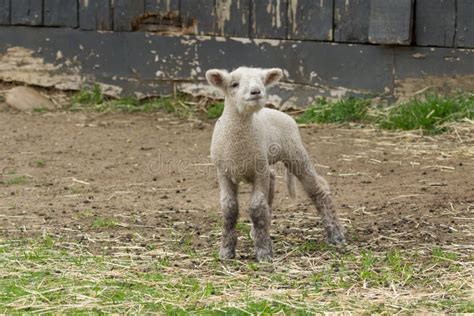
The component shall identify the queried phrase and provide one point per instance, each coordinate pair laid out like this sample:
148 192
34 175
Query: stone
27 100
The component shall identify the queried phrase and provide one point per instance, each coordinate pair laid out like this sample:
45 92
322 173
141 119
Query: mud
151 174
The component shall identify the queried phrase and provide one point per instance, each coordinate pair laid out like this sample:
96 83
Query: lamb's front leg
260 213
230 212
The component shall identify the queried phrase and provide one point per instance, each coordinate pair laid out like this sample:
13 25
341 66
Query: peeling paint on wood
435 22
60 13
4 12
310 20
162 6
351 21
233 17
465 24
165 24
269 19
26 12
95 15
201 14
20 65
391 22
143 64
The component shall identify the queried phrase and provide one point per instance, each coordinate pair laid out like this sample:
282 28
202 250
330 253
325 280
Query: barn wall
326 47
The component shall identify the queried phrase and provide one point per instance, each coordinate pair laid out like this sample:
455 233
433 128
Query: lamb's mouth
255 98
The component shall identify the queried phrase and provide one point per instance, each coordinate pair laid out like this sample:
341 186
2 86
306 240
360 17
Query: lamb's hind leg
230 212
318 190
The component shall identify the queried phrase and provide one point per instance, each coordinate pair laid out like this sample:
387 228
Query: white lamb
247 140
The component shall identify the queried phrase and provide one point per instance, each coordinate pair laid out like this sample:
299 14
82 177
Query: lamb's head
245 88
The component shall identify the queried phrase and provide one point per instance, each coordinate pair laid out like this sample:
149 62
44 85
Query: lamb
247 140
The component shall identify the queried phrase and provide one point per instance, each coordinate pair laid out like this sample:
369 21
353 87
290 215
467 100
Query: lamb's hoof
226 253
336 236
264 255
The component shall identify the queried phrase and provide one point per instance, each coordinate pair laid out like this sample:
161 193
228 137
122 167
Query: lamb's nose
255 91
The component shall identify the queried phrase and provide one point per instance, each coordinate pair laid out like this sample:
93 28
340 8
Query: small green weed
244 228
16 180
104 223
89 96
439 255
40 163
215 110
40 110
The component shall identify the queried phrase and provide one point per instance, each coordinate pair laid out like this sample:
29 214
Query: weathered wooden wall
442 23
327 47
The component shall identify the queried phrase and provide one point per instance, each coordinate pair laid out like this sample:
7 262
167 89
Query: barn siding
60 13
351 21
269 19
390 22
465 24
4 12
322 45
435 22
26 12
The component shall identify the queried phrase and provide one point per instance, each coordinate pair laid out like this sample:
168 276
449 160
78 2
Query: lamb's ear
216 77
272 76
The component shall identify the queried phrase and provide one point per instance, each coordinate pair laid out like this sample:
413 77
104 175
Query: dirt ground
65 174
141 188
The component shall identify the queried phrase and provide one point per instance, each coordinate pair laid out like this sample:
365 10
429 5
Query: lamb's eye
234 84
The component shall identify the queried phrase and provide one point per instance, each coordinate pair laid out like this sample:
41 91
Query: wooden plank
391 22
60 13
233 18
310 20
26 12
162 6
4 12
269 19
95 15
351 21
465 24
126 12
200 14
435 22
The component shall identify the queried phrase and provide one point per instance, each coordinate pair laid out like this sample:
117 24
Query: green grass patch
40 163
52 275
104 223
430 113
345 110
215 110
89 96
40 110
15 180
93 99
439 254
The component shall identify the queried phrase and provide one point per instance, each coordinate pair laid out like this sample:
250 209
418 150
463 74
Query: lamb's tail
290 184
